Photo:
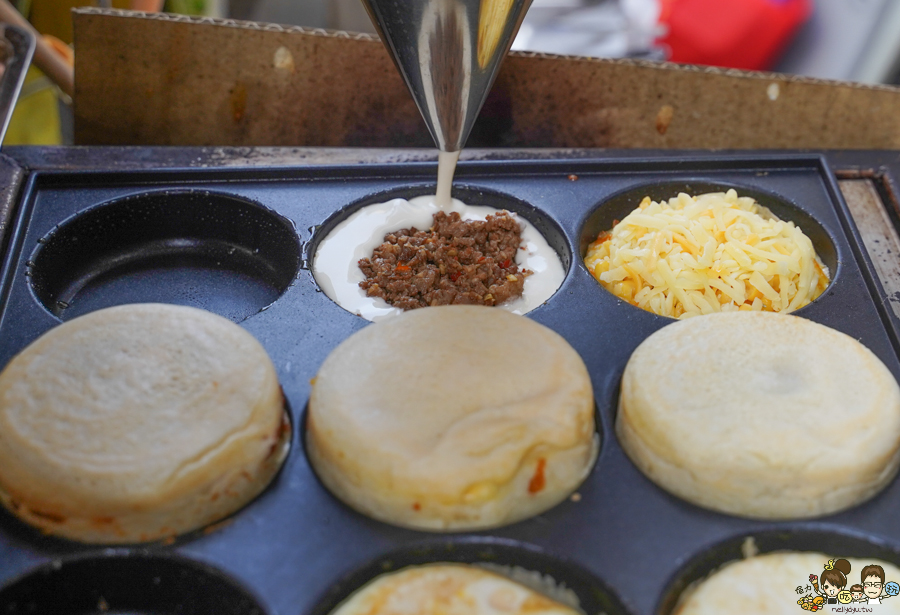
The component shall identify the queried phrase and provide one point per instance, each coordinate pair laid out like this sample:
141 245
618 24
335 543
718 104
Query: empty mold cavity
213 251
830 543
612 210
132 583
556 578
331 250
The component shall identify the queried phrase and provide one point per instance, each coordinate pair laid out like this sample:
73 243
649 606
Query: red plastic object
748 34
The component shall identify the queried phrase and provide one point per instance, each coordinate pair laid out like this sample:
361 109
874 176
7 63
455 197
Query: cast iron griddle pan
238 243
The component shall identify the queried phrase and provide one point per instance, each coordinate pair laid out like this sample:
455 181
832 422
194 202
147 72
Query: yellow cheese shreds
714 252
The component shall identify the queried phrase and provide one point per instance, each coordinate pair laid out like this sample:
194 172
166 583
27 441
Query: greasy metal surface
11 175
878 233
165 247
125 582
296 545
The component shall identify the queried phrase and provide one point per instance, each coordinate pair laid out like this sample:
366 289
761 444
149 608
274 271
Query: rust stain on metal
856 173
880 238
238 101
881 181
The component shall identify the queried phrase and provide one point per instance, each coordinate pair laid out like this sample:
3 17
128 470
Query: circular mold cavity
557 578
833 543
620 205
127 583
207 250
343 289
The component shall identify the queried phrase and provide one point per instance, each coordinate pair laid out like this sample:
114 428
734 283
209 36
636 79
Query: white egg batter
446 170
336 269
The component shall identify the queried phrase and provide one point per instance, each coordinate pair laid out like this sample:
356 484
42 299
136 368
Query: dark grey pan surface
238 242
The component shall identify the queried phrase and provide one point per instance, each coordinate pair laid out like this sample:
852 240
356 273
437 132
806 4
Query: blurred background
851 40
854 40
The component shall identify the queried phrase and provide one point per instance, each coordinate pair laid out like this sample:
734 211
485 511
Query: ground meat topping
453 262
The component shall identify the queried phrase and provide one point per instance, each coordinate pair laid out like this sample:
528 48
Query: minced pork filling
453 262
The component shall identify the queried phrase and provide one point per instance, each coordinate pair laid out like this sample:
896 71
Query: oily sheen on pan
138 422
760 415
449 589
453 417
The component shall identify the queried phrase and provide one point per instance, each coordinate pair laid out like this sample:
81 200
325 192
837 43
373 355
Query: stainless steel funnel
448 52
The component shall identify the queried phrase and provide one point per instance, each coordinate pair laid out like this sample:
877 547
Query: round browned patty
452 417
138 422
760 414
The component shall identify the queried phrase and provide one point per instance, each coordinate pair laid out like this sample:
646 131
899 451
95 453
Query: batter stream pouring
448 52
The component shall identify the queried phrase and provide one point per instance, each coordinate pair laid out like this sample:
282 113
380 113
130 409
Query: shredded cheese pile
715 252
